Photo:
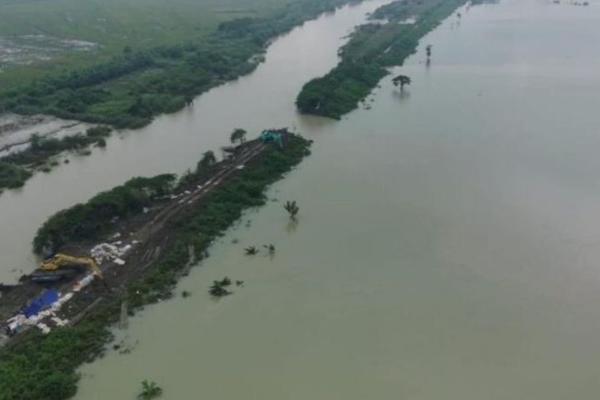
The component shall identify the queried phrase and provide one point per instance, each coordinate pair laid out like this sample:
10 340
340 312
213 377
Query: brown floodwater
448 244
175 142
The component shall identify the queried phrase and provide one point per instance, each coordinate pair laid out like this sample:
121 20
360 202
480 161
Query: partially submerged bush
150 390
12 176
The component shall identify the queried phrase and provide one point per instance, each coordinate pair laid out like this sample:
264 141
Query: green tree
292 208
150 390
208 160
401 80
238 135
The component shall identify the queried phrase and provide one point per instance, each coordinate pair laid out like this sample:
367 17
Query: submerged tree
150 390
225 281
428 50
292 208
238 135
250 251
270 248
401 80
218 288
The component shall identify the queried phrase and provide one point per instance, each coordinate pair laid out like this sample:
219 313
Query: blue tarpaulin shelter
42 303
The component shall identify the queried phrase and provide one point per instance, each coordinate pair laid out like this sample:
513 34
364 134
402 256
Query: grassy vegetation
44 367
12 176
41 149
17 168
114 25
135 84
150 390
371 50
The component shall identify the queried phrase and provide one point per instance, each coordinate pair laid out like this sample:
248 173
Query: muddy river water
448 244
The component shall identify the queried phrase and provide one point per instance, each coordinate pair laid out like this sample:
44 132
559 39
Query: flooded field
16 130
30 49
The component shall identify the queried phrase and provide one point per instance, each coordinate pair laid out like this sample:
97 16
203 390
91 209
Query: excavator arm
60 261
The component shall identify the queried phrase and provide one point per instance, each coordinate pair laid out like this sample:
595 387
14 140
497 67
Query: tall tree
238 135
401 80
208 160
292 208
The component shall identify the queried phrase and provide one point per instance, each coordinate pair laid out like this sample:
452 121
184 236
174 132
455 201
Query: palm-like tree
150 390
238 135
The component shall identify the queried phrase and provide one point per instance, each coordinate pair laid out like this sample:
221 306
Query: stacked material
39 309
82 283
110 252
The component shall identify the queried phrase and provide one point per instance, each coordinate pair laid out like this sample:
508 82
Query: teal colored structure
272 137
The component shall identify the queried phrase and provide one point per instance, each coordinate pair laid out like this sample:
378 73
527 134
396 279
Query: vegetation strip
371 50
17 168
40 367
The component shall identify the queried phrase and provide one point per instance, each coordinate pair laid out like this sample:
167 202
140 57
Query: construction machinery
272 136
64 266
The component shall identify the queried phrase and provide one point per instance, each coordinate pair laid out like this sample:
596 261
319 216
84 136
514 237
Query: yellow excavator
63 266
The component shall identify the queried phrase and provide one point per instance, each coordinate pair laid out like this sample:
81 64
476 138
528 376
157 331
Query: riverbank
132 88
172 237
40 154
174 142
391 37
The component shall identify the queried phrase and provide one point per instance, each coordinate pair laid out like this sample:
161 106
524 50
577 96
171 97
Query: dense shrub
89 221
12 176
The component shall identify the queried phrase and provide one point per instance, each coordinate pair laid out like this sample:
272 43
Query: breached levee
191 214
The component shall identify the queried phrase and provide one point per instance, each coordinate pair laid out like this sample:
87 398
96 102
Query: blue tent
42 303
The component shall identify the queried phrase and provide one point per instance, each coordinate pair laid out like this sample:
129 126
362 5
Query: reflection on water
401 95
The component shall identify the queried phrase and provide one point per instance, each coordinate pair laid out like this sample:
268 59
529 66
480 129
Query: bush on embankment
12 176
89 221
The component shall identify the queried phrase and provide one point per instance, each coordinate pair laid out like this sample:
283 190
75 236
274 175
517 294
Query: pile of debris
112 252
43 307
